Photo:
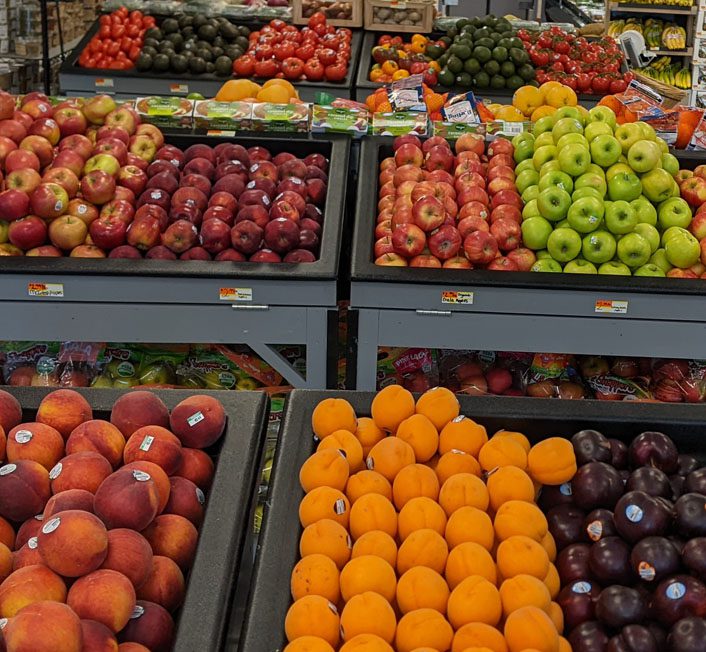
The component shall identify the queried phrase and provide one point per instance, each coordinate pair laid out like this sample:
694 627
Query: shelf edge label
235 294
178 88
55 290
102 82
458 298
605 306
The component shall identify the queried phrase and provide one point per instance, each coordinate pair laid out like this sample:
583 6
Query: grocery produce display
86 179
658 34
667 71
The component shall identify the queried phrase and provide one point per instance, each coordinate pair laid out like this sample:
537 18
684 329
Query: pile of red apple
88 180
437 209
693 189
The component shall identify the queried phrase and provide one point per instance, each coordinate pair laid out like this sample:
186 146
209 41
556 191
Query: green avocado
464 80
486 43
514 82
497 81
507 69
446 77
461 23
433 51
492 68
517 43
482 80
499 54
460 51
526 72
481 53
471 66
454 64
518 56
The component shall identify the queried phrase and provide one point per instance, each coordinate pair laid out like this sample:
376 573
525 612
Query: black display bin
202 619
278 549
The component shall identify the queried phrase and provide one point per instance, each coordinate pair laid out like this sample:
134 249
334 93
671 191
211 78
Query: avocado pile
193 44
483 53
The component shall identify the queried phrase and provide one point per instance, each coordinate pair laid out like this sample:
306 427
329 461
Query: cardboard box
391 16
165 111
226 116
339 13
267 116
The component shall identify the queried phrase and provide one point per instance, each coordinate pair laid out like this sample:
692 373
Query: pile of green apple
601 198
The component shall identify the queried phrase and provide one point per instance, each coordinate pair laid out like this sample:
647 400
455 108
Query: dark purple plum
573 563
687 464
654 449
694 557
588 637
677 483
638 515
696 481
618 454
566 525
690 515
688 635
633 638
609 561
618 606
654 559
591 446
597 484
650 480
553 495
578 603
660 636
599 524
679 597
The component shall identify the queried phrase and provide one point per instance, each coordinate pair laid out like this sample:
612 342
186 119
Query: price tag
611 307
459 298
512 128
55 290
178 88
235 294
103 82
218 132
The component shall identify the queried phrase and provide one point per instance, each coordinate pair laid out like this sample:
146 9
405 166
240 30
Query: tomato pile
317 52
585 66
118 41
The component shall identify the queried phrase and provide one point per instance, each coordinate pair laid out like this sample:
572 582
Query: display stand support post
46 70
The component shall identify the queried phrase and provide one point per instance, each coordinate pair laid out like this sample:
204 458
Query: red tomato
278 24
305 51
96 46
327 56
135 15
268 68
104 31
292 68
345 33
149 21
263 52
561 46
331 41
244 66
115 19
117 31
113 48
125 44
134 53
618 86
314 70
318 18
284 51
336 72
320 29
600 85
104 19
132 30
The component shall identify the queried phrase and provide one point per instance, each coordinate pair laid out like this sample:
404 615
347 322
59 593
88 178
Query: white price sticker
195 418
55 290
606 306
459 298
178 88
235 294
103 82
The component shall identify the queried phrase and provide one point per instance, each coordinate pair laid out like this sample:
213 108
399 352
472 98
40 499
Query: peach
24 490
132 647
161 479
97 637
174 537
70 499
10 411
37 442
150 625
7 534
129 553
97 436
196 466
5 561
28 529
64 409
164 585
154 444
27 586
198 421
3 443
73 543
44 626
137 409
186 499
127 498
85 471
27 555
104 595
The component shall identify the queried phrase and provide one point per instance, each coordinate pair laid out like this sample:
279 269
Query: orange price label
607 306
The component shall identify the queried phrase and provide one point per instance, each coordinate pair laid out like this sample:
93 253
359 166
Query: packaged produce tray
202 619
278 549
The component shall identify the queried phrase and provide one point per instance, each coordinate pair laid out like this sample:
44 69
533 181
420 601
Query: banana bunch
674 3
674 37
667 72
615 28
652 32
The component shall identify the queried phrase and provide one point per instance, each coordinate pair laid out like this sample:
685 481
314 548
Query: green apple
586 214
521 138
663 146
669 162
543 155
625 186
605 149
535 232
564 245
543 139
546 265
526 179
580 266
602 114
553 203
566 126
543 125
627 135
530 209
646 212
524 165
580 193
670 233
620 217
676 192
523 151
659 258
657 184
682 250
617 168
649 233
572 139
568 112
623 159
591 180
549 166
674 212
614 268
594 129
648 133
532 192
644 155
650 269
558 179
634 250
574 159
598 247
542 253
564 224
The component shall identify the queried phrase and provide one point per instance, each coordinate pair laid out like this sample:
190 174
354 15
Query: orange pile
422 534
277 91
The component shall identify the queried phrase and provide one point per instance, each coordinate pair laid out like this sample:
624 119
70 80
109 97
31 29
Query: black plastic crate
202 620
278 550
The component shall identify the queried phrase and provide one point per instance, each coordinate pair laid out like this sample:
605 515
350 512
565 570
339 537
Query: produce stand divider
202 619
514 311
278 546
184 301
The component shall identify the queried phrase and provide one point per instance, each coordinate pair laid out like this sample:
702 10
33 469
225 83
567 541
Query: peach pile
98 519
420 533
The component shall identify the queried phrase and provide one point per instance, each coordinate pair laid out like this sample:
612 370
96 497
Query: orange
285 84
439 405
368 434
470 524
550 85
462 434
328 538
315 575
313 615
519 517
421 434
368 573
368 613
509 483
373 512
461 490
345 442
562 96
422 588
309 644
325 468
414 481
421 514
376 543
474 600
367 482
542 112
552 461
517 437
235 90
391 406
422 548
552 581
324 502
509 114
502 451
478 635
389 456
519 555
423 627
276 94
557 616
524 591
530 627
366 643
454 462
564 645
527 99
549 545
332 414
469 559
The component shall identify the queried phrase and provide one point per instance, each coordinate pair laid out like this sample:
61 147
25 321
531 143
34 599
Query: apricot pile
99 519
421 533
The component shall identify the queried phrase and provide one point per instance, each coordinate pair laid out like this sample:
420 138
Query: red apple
472 193
473 209
23 118
20 159
503 264
506 211
25 180
49 200
683 175
428 213
77 143
14 204
316 190
120 209
408 240
506 197
112 146
117 133
67 232
224 199
406 139
473 223
457 262
28 232
160 252
215 236
409 154
282 208
407 173
501 171
154 211
195 253
64 177
143 233
123 118
383 246
98 187
700 171
256 214
219 213
265 256
264 169
151 132
295 199
44 251
108 231
246 237
231 255
201 166
445 242
299 256
87 251
693 190
6 146
292 168
98 107
391 260
200 182
190 196
480 247
7 105
13 129
507 233
440 176
500 146
383 229
180 236
281 235
522 257
425 260
499 184
125 251
439 157
47 128
133 178
68 159
163 181
471 143
121 192
37 108
500 159
105 162
82 209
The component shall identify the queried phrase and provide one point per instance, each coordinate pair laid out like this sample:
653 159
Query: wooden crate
303 9
375 8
